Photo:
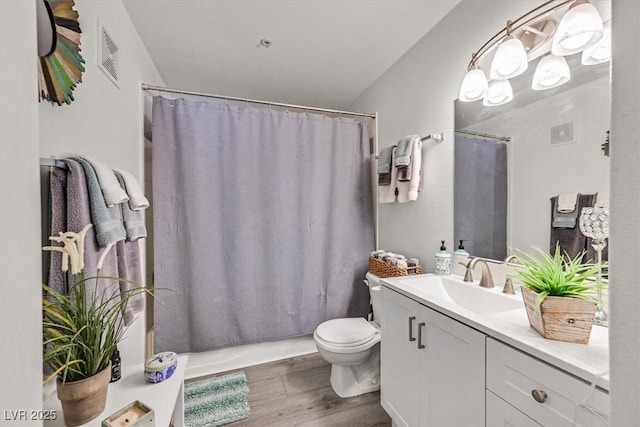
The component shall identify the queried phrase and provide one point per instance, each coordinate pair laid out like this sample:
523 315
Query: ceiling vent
108 56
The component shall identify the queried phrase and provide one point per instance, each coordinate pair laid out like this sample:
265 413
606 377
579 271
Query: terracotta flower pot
560 318
84 400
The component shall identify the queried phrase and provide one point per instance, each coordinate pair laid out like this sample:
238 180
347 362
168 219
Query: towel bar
438 137
52 162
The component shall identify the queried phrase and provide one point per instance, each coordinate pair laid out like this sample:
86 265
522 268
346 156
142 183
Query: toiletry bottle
443 261
460 256
116 370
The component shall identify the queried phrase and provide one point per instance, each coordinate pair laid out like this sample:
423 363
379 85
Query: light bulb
601 51
579 28
474 86
500 92
551 71
509 61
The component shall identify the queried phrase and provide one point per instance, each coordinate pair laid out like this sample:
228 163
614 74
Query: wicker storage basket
560 318
384 269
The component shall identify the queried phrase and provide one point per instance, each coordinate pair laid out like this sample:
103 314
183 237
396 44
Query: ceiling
323 53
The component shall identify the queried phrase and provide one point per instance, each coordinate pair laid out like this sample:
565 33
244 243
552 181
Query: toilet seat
348 335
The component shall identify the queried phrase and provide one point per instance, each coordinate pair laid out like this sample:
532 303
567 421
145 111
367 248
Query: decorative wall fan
60 65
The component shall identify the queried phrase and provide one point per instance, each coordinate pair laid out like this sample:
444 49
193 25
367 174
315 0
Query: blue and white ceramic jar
160 367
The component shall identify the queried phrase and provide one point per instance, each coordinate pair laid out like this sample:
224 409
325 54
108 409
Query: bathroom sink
468 296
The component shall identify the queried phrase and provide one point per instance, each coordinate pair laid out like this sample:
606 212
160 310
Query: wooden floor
296 393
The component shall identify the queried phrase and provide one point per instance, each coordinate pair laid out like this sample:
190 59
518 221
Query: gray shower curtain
263 223
480 196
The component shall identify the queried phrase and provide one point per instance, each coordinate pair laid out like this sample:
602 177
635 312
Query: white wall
104 121
579 166
20 346
416 96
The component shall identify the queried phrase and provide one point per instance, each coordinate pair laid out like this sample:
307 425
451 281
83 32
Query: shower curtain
480 196
263 223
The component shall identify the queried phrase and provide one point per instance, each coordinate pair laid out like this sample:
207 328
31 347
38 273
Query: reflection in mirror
552 144
47 36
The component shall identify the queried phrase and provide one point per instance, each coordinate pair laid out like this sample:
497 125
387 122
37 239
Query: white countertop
132 386
589 362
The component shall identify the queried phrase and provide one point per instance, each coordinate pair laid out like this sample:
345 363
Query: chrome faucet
486 281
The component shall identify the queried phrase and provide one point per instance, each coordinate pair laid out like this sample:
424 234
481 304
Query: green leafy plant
83 324
559 276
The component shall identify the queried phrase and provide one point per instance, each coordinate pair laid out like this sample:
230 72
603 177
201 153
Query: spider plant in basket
560 294
81 329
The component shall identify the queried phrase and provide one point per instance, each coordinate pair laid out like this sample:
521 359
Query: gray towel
130 268
78 213
133 220
384 166
403 152
107 222
58 201
564 219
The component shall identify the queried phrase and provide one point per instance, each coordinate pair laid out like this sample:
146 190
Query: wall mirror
518 155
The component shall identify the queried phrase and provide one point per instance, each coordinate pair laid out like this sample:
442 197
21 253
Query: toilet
352 346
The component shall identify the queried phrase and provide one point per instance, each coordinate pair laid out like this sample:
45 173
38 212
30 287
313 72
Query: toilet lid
349 331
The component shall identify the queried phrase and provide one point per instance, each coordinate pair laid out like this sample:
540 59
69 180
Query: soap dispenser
443 261
460 256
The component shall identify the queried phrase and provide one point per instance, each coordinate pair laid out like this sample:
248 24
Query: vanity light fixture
529 37
579 28
474 86
500 92
510 59
601 51
551 71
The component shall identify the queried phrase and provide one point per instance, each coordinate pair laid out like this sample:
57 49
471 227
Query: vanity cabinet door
399 388
452 372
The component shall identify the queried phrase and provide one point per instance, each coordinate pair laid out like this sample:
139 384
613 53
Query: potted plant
81 329
560 294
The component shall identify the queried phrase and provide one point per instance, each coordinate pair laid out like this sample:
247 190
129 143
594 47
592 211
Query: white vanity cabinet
547 395
433 367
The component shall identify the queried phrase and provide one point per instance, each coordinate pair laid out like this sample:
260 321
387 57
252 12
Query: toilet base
345 384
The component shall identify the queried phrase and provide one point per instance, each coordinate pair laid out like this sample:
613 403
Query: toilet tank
374 290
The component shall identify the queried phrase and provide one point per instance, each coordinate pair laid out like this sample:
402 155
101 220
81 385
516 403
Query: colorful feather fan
61 71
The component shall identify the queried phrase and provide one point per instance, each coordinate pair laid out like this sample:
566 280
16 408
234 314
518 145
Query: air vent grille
108 59
562 134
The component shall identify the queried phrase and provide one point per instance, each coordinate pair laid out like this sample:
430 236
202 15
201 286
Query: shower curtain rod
484 135
256 101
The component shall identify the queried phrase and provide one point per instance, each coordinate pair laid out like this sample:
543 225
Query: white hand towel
137 201
408 190
111 190
387 193
602 199
567 201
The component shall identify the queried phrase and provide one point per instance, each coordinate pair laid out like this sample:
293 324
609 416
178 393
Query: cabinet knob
539 395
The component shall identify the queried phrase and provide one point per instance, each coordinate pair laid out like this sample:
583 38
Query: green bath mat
217 401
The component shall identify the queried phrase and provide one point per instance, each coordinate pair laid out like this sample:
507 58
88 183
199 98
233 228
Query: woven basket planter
560 318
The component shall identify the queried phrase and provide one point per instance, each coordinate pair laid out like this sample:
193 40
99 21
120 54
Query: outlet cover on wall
561 134
108 55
